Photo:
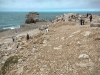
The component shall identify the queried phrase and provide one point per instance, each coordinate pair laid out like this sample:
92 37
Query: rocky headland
67 48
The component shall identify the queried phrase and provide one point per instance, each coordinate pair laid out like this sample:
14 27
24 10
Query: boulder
69 16
95 24
83 56
4 58
66 17
34 50
57 48
81 17
83 64
32 17
99 20
45 41
43 27
86 33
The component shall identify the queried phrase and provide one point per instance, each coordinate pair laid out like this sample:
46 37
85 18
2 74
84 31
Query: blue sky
49 5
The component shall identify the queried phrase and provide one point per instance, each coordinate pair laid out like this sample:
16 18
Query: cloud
94 4
49 4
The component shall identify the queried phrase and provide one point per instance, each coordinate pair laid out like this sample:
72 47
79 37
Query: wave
13 27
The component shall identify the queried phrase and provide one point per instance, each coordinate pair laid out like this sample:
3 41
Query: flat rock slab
99 20
89 64
83 56
95 25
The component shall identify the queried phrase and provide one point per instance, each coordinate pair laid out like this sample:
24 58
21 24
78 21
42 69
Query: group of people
82 20
27 38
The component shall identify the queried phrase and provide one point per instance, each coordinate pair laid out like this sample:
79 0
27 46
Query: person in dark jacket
90 18
13 39
87 14
81 21
27 37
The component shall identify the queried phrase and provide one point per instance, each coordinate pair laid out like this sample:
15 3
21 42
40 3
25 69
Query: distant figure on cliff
27 37
47 30
87 14
17 46
15 31
90 18
13 39
81 21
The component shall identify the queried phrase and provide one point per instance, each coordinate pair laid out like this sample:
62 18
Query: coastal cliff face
32 17
68 48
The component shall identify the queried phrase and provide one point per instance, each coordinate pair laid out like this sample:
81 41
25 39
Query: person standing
87 15
13 39
47 30
27 37
90 18
81 21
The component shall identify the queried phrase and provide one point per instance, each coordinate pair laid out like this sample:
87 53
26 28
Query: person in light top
47 30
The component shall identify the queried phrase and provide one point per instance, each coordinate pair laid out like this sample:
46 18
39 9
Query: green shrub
9 62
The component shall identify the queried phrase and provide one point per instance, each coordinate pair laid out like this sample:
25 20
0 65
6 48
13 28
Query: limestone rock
32 17
62 38
86 33
57 48
83 56
88 64
43 27
19 40
20 60
99 20
70 16
45 41
20 70
99 59
78 42
95 24
4 59
66 17
34 50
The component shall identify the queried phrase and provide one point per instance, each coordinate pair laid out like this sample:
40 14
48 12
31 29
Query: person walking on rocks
27 37
90 18
87 14
15 31
81 21
13 39
47 30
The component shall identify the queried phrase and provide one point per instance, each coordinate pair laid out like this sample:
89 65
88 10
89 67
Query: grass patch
8 63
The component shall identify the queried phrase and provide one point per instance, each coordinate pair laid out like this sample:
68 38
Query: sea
12 20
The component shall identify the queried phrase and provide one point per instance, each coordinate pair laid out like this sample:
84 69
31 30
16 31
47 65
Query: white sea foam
11 27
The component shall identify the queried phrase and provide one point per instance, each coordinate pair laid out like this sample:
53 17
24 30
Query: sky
49 5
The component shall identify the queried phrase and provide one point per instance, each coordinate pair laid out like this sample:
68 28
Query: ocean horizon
12 20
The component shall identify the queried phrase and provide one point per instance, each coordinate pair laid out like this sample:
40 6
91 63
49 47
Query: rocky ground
67 49
23 28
